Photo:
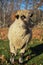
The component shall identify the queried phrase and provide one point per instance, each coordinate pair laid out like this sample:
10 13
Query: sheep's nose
23 17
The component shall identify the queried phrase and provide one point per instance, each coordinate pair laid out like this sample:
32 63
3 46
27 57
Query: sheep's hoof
12 60
20 60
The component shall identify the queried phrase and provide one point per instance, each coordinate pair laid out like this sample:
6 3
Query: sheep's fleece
16 34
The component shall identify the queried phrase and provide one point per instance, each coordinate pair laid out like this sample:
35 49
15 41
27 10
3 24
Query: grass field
34 53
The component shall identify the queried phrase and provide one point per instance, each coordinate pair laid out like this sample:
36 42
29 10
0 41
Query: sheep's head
25 16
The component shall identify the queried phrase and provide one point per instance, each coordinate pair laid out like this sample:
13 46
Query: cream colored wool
16 35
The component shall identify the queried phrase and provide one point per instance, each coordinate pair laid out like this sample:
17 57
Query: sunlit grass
35 52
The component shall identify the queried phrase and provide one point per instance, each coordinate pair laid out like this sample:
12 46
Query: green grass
35 51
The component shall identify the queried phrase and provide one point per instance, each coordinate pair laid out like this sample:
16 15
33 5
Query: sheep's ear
17 16
31 15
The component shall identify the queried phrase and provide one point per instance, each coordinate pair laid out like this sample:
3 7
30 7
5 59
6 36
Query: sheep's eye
23 17
17 16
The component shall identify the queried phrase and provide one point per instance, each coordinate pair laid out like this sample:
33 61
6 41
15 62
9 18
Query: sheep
19 33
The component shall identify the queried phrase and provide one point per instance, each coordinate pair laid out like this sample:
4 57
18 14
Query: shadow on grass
37 50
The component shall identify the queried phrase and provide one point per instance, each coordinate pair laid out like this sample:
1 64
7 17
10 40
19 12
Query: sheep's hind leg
22 54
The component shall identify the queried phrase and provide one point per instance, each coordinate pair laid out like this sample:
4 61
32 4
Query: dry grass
37 33
3 33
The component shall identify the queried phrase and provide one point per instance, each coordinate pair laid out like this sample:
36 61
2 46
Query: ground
32 56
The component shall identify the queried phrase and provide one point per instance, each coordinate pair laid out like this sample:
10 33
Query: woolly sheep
19 33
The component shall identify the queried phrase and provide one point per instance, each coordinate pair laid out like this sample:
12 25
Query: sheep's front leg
13 52
22 54
12 49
